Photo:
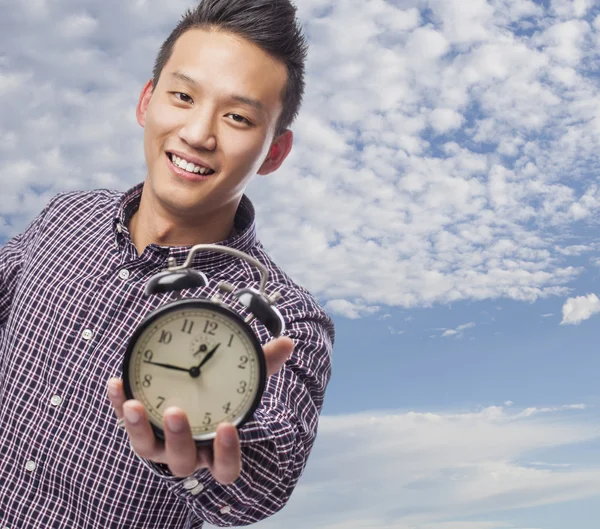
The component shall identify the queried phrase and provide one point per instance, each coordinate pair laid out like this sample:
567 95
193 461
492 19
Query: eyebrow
249 101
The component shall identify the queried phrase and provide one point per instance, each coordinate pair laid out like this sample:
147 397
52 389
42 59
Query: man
227 84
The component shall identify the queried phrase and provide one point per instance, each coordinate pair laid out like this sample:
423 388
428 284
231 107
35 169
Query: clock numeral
162 401
147 381
187 326
243 386
243 362
227 407
148 355
211 327
230 341
207 419
165 337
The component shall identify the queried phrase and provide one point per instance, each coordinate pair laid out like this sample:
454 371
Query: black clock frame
205 304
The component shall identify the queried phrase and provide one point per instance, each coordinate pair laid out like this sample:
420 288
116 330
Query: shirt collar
243 239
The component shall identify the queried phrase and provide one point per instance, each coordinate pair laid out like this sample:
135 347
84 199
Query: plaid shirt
71 294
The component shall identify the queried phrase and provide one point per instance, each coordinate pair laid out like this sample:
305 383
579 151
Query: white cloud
437 470
581 308
550 465
577 249
446 119
438 156
348 309
459 331
394 331
78 26
564 41
569 8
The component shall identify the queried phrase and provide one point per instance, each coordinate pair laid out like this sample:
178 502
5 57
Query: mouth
189 167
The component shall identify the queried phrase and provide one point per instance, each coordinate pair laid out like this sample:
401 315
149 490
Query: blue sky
442 201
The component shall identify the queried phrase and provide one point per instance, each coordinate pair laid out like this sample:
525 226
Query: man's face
215 105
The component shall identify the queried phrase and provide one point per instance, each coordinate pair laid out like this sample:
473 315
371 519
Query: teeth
189 166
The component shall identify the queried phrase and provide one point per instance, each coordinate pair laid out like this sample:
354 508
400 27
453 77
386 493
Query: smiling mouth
189 166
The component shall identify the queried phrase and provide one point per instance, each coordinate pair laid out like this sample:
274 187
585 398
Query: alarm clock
200 354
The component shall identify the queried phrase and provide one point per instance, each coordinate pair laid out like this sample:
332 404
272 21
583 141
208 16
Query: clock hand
201 349
209 356
195 371
168 366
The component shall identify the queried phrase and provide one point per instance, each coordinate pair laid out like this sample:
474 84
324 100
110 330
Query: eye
240 119
183 97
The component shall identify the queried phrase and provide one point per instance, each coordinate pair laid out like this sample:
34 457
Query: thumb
277 351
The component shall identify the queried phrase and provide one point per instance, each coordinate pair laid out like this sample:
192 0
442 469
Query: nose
199 130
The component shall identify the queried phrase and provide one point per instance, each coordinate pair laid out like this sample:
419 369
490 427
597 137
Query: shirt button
197 490
56 400
226 509
190 483
87 334
119 227
124 274
30 466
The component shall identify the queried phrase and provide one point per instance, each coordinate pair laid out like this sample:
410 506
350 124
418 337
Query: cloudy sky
442 201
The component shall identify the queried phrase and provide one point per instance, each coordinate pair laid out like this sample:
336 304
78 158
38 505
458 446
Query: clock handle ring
264 274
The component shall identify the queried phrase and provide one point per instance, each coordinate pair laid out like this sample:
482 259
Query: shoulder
63 211
83 201
81 208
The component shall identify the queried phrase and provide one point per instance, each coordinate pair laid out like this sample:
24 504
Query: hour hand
167 366
209 355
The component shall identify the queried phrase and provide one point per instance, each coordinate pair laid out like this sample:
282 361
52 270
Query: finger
227 458
180 448
205 457
116 395
141 436
277 351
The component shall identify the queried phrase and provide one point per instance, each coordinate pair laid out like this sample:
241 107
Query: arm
12 256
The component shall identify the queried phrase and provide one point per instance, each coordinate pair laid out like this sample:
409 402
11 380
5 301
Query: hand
179 452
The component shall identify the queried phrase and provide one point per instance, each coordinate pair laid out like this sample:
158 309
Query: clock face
199 357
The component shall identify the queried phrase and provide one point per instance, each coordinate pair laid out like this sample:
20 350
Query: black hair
272 25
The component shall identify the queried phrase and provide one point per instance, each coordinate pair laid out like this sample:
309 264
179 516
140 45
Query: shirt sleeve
12 256
279 439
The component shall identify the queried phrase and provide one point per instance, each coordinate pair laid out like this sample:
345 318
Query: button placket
197 490
190 483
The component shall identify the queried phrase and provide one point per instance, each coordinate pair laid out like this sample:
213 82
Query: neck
152 224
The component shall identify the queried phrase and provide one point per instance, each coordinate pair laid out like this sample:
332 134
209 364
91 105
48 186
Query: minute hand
168 366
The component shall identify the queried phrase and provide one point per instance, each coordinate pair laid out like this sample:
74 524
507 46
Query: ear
143 103
278 152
